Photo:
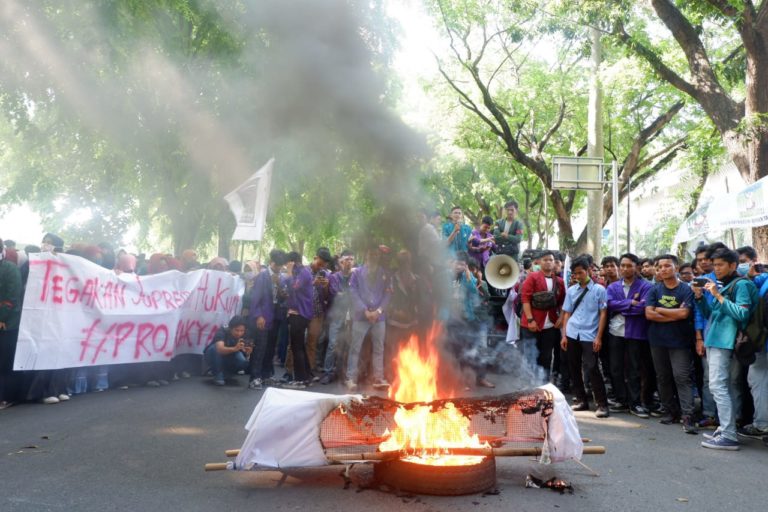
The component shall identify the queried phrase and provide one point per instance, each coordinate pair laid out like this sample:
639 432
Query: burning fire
422 433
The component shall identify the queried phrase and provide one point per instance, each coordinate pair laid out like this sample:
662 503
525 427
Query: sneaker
381 384
601 412
241 372
123 387
659 412
163 382
351 385
175 377
218 380
752 431
669 419
580 406
709 437
63 397
50 400
689 427
708 422
327 379
295 384
720 443
639 411
185 375
618 407
286 378
255 384
315 378
153 384
5 404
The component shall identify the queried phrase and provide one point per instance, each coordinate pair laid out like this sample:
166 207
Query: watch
531 319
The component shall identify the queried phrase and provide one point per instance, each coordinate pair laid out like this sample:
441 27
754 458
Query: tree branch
554 127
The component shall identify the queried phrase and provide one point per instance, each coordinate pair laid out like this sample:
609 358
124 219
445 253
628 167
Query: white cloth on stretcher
284 429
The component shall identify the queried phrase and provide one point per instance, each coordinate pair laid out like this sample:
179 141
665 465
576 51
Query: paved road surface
144 449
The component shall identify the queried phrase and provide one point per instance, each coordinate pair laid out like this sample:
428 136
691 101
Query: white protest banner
744 209
249 203
77 313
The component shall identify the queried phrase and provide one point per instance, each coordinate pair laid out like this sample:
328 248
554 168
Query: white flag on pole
249 203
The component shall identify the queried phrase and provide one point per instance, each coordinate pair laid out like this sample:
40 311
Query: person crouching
228 353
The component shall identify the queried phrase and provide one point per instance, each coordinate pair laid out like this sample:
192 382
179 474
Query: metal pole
629 189
615 176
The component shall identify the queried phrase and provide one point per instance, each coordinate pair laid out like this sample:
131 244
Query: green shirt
10 295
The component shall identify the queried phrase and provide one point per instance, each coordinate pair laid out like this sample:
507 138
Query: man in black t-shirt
669 308
229 351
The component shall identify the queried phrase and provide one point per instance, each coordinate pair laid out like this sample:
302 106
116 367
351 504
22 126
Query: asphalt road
144 449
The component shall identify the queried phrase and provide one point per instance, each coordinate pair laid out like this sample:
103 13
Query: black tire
437 480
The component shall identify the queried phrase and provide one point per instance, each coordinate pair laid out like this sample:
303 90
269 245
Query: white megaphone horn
502 272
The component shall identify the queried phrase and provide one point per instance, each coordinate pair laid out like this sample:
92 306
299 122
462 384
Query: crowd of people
681 341
651 337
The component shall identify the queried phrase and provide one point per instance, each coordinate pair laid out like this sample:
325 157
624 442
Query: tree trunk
595 149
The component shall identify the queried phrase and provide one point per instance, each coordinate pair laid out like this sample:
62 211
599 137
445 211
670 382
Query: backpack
751 338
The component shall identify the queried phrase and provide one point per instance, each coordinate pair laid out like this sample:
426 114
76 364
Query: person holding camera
508 232
542 295
229 351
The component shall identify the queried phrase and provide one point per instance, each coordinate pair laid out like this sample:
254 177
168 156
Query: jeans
673 372
708 407
256 363
224 364
581 355
719 363
336 330
758 384
359 331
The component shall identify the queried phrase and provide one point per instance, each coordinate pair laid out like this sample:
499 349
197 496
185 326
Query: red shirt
536 282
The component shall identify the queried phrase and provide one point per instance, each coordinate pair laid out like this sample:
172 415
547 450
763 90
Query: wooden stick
381 456
496 451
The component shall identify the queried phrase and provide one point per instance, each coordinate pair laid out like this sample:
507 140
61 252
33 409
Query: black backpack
751 338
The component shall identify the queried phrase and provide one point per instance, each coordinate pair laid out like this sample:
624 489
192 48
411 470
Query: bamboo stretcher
346 458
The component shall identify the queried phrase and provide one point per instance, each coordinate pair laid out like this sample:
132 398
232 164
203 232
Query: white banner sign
249 203
77 313
744 209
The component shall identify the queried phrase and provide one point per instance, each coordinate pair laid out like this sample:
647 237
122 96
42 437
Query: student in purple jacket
370 291
628 337
300 284
265 315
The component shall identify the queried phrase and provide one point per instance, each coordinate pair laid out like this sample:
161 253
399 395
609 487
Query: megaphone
502 271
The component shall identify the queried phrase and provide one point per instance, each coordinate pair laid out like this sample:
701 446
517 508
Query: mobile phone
700 281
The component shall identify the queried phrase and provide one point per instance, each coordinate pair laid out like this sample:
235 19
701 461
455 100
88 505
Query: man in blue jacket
730 311
628 337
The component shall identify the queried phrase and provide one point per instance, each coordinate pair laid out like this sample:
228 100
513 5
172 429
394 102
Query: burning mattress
291 429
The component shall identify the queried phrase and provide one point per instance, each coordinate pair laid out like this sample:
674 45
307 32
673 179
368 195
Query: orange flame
422 433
